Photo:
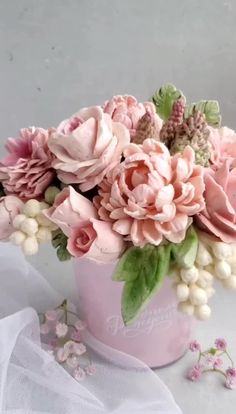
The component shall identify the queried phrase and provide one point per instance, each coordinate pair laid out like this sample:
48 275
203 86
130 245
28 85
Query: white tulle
31 382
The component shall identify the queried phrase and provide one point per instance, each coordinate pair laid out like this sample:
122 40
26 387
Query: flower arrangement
150 185
214 360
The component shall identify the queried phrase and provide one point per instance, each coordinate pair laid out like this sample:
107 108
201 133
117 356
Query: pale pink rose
10 206
87 236
127 110
223 144
27 171
152 195
86 146
219 216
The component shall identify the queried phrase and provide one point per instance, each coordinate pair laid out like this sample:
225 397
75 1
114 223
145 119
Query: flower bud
202 312
203 256
29 226
31 208
222 269
182 291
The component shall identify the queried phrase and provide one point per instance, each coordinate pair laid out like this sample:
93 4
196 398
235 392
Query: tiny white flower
61 330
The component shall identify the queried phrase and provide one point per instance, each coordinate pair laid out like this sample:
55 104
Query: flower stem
214 370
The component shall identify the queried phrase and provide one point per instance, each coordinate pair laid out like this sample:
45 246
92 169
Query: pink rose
219 216
86 146
27 170
10 206
223 142
87 235
127 110
151 196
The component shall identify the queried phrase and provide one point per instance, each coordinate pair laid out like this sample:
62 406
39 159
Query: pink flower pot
158 337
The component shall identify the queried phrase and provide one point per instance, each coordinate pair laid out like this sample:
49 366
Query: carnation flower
86 146
128 111
27 171
152 195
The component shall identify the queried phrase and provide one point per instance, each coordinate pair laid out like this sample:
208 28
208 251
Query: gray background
57 56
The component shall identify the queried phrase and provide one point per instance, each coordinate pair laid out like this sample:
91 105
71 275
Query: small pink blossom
195 373
80 325
79 374
61 330
221 344
231 373
194 346
209 360
62 355
90 369
51 315
230 383
79 349
69 346
218 363
75 336
72 361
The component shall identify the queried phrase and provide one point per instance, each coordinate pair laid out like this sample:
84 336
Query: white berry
210 291
205 279
222 269
189 275
43 234
230 283
182 291
186 307
197 296
17 237
43 205
30 246
18 220
202 312
29 226
221 250
31 208
203 256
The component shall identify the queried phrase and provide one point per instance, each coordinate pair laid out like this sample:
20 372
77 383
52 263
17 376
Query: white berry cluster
32 227
194 286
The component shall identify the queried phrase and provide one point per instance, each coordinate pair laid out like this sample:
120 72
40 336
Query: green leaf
211 110
128 266
184 253
59 239
138 292
63 254
164 99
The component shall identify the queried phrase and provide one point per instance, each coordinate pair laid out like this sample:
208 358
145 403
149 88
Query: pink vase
158 337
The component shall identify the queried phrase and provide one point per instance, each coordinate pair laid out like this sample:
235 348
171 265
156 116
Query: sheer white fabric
32 382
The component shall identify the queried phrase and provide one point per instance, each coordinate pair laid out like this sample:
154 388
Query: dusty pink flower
90 369
231 373
152 195
10 206
44 329
51 315
62 354
79 374
221 344
218 363
72 361
79 349
230 383
27 171
127 110
61 330
219 216
195 373
209 360
86 146
80 325
69 347
194 346
87 235
223 143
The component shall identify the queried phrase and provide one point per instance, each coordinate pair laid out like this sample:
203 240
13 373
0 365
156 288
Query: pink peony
87 236
223 142
219 216
10 206
127 110
86 146
152 195
27 171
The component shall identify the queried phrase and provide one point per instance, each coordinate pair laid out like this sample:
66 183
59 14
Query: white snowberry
186 307
43 221
29 226
230 283
189 275
197 295
18 220
221 250
44 205
44 234
182 291
31 208
30 246
203 256
202 312
210 291
17 237
205 278
222 269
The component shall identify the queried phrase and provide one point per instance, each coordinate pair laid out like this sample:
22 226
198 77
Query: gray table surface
57 56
